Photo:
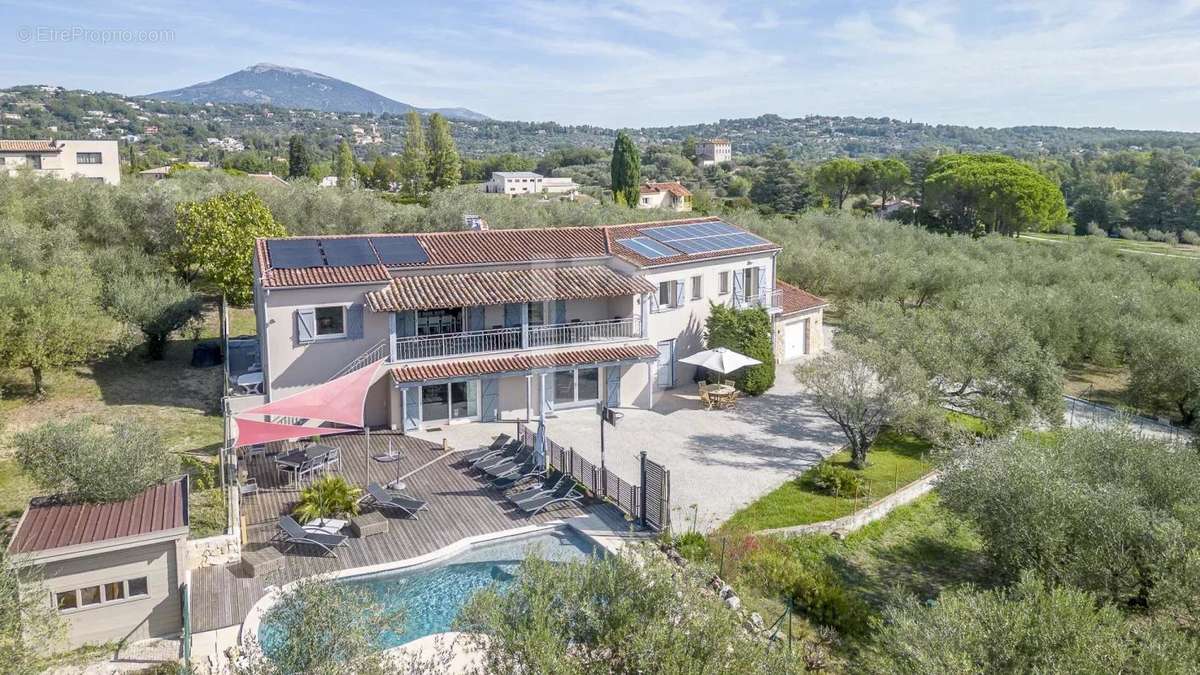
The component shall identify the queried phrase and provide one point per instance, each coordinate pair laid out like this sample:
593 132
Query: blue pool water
431 595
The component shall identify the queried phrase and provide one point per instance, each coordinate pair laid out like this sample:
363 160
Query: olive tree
633 612
1164 368
861 392
157 305
1099 509
1031 627
216 240
28 623
92 463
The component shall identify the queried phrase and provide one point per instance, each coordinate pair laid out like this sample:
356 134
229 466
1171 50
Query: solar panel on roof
288 254
669 233
706 237
406 250
348 252
647 247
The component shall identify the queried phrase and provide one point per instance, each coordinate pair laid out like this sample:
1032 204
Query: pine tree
445 167
299 159
626 171
414 161
343 164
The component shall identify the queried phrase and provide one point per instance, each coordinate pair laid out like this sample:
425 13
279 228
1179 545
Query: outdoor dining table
721 394
301 456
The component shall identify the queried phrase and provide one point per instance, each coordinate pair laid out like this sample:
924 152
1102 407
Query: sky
632 63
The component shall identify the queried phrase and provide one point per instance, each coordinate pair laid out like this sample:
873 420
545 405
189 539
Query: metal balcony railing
509 339
769 300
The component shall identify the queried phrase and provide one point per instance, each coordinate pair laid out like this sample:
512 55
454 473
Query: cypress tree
414 161
445 167
299 160
626 171
343 164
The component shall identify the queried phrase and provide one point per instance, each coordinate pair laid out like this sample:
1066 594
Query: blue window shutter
613 374
679 293
475 318
737 288
412 411
306 325
490 395
354 322
406 323
560 311
512 315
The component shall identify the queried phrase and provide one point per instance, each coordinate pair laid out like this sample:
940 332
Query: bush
1131 234
1065 228
205 475
95 464
327 497
1171 239
747 331
1190 237
1094 230
836 480
801 573
1156 235
692 545
207 512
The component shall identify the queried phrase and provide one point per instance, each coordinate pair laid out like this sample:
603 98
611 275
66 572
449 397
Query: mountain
266 83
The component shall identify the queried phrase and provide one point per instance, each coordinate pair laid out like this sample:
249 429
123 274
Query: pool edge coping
254 617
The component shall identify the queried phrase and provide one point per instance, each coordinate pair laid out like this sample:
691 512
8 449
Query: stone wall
847 524
210 551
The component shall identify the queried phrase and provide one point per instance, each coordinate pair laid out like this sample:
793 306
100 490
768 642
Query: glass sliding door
589 384
435 403
464 400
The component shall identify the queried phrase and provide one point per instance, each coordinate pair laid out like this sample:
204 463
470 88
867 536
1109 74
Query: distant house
514 183
328 181
671 195
714 151
88 160
161 172
559 186
112 571
268 177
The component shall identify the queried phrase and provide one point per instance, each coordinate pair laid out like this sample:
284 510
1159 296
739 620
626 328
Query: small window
89 596
331 321
723 283
34 160
138 586
537 314
665 296
88 158
114 591
66 600
697 282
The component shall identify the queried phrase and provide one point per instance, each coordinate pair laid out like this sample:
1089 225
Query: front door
665 378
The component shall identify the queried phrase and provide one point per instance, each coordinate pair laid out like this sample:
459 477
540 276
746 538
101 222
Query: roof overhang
470 289
409 374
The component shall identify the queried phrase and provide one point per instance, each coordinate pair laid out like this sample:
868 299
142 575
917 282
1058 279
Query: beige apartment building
86 160
714 151
508 324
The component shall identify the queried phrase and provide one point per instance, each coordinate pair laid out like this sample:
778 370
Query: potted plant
327 497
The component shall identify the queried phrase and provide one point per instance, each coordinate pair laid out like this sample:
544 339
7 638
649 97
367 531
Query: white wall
63 164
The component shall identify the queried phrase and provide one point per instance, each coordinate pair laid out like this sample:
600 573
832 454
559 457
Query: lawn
1125 245
894 461
182 402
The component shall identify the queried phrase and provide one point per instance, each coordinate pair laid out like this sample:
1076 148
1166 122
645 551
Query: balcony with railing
768 299
574 333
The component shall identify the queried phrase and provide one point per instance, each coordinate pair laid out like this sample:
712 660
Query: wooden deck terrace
460 505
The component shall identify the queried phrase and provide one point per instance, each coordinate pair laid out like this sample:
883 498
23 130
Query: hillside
266 83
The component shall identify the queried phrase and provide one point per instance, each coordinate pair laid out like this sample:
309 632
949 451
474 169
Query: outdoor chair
508 450
547 487
520 454
476 455
387 499
293 534
729 383
526 469
705 398
248 487
507 466
563 493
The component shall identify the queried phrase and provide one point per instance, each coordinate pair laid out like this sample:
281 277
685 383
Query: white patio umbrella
721 360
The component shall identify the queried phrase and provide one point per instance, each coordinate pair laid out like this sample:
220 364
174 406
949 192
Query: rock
756 622
726 591
733 602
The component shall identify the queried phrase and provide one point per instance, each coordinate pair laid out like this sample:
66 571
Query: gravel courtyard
719 460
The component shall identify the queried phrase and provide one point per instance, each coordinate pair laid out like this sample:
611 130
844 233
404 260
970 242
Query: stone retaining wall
211 551
847 524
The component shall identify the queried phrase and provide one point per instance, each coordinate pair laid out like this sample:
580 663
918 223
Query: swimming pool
432 594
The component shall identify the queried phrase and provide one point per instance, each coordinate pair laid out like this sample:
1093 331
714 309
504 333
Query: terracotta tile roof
429 291
29 146
674 187
794 300
52 523
522 362
493 247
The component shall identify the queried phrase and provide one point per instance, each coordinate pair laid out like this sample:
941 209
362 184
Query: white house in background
671 195
88 160
497 324
514 183
161 172
714 151
559 186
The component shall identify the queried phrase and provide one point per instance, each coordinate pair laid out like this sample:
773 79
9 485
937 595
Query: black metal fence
648 503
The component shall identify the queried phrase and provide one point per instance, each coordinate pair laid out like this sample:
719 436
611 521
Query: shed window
114 591
138 586
89 596
66 600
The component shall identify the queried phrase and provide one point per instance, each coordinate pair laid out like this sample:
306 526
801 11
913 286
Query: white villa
87 160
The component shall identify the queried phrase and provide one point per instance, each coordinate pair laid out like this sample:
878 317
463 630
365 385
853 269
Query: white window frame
98 155
723 282
317 336
575 401
104 599
696 287
670 286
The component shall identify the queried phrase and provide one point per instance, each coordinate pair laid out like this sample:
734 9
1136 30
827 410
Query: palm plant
327 497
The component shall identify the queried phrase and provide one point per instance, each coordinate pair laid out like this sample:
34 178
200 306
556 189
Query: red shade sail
251 432
340 400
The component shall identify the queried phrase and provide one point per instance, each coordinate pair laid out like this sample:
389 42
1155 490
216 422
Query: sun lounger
507 466
510 449
386 499
548 486
476 455
564 493
527 470
293 534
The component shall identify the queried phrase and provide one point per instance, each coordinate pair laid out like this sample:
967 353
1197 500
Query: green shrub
836 480
692 545
327 497
204 474
746 331
206 512
821 596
